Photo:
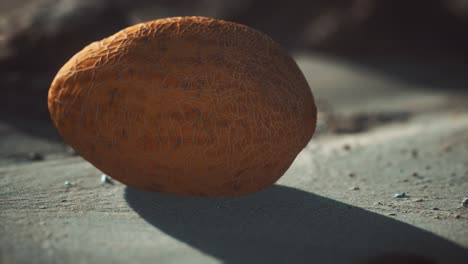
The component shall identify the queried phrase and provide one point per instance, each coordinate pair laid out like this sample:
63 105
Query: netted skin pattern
187 105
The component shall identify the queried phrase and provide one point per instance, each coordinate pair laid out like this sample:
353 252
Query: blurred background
419 41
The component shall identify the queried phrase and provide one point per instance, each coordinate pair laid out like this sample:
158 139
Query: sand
335 204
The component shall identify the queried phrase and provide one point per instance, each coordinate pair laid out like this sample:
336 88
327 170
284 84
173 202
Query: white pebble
400 195
106 179
68 184
465 202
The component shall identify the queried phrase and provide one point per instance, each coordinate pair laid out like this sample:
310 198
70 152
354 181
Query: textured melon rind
188 105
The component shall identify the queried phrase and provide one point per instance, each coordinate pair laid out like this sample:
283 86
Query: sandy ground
335 204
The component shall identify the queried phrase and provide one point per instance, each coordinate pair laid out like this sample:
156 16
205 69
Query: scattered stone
414 153
355 188
106 179
454 174
71 151
419 200
428 167
42 207
35 156
351 175
457 216
391 214
465 202
346 147
400 195
435 209
68 184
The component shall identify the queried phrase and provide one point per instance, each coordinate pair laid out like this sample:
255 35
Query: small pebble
351 175
106 179
71 151
419 200
435 209
68 184
35 156
414 153
346 147
465 202
457 216
355 188
428 167
417 175
392 214
400 195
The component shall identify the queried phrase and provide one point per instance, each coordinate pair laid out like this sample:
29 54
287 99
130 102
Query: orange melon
186 105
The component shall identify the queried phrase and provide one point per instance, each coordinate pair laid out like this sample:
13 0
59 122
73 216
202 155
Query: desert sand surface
379 136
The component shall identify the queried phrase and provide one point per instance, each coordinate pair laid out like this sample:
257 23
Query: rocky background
38 36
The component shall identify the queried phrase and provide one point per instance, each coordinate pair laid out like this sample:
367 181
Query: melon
187 105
